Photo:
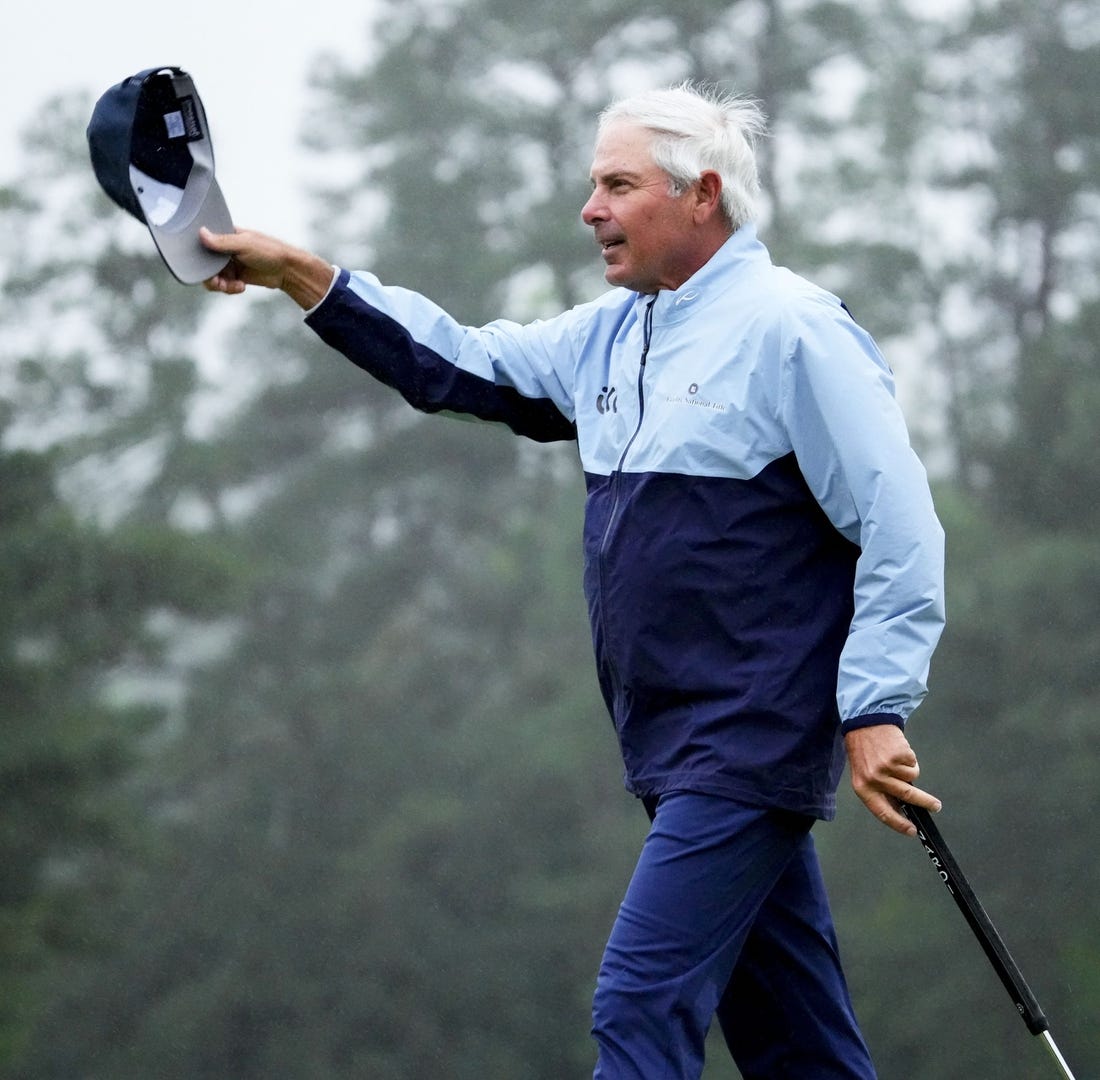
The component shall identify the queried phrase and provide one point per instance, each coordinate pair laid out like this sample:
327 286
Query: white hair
695 128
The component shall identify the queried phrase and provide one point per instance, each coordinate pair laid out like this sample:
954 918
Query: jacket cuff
336 272
874 719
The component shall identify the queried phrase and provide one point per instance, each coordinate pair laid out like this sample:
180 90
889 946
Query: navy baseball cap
152 154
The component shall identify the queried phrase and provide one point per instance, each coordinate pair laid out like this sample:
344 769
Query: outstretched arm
262 260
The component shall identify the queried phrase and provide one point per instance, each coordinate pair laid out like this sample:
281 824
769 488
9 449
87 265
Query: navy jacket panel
720 607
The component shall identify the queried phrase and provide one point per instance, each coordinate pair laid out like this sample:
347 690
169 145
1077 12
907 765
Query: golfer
762 564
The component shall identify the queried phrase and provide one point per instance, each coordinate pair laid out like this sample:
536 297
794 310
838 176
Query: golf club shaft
1052 1046
983 928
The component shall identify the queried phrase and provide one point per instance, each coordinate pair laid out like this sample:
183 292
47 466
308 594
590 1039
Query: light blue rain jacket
763 564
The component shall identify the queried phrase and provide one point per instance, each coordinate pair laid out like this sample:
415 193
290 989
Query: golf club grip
982 926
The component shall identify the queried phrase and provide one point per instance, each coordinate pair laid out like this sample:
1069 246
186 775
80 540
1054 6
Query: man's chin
618 276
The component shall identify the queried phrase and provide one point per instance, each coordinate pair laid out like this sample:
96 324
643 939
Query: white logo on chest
692 398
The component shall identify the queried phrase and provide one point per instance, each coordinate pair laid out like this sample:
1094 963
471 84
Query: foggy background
303 768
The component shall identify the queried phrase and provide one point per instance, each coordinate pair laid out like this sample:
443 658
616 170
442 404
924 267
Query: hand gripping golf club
983 928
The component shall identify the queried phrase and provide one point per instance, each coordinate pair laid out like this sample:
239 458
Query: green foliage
1008 741
75 604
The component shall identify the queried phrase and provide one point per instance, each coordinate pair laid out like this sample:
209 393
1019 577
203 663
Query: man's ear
708 199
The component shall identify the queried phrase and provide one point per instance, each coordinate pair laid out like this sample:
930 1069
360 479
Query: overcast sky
249 60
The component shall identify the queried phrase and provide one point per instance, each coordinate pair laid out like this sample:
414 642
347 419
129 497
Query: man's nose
594 209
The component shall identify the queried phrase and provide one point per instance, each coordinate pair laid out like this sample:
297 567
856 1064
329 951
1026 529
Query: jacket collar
739 253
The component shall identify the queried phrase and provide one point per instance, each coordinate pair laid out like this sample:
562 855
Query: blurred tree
1013 169
85 603
387 842
1007 181
79 610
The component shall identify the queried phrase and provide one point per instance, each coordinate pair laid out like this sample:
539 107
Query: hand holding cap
152 154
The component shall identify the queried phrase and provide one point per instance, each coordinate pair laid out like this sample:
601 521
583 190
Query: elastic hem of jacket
874 719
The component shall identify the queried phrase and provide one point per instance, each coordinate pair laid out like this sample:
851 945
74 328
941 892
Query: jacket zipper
616 476
647 337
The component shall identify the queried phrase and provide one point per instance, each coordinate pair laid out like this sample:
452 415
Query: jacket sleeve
853 448
519 375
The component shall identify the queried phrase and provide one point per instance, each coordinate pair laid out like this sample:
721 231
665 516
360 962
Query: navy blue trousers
726 915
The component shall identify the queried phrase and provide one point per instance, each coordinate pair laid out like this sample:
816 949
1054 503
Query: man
763 569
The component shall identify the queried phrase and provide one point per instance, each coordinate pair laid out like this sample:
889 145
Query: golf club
984 930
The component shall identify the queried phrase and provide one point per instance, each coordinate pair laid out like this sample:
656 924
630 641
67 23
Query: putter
984 930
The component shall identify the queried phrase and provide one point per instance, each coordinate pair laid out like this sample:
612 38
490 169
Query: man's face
646 234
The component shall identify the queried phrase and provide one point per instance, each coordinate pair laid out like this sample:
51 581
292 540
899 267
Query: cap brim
179 244
171 173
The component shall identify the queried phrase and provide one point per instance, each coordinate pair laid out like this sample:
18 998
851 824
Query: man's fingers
886 810
899 791
884 768
246 265
924 799
224 284
885 805
894 819
217 241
